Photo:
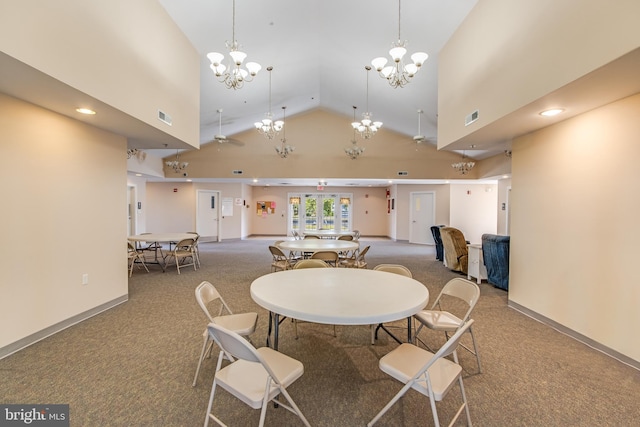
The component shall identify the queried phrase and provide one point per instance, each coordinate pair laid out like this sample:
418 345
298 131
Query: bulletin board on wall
266 208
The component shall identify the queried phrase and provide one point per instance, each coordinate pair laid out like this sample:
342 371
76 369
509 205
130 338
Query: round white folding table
328 234
160 238
337 296
314 245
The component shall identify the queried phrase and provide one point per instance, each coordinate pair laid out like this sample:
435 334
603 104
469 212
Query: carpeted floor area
133 365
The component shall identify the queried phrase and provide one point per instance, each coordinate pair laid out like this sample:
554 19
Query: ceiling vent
164 117
237 172
403 173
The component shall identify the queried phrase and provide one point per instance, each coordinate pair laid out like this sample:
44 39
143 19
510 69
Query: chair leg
202 355
395 398
475 349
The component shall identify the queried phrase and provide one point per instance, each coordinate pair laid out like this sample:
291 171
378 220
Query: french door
318 211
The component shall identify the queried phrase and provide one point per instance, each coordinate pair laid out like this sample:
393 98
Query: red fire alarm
175 190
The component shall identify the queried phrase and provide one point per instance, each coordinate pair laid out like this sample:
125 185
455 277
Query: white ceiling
318 50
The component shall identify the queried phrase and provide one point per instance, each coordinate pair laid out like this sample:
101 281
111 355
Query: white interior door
422 217
207 211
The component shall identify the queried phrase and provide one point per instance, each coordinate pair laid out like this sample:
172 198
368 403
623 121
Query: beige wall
64 216
127 54
575 226
473 210
508 54
171 207
320 138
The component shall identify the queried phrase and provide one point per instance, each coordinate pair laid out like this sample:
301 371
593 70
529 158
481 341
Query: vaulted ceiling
318 50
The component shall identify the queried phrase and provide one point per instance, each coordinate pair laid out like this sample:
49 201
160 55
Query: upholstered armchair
495 251
455 249
435 231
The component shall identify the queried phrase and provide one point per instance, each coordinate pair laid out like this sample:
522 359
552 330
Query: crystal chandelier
366 127
233 76
398 74
284 150
267 126
463 166
354 151
176 164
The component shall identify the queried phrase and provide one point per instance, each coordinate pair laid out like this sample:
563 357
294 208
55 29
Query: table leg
276 328
269 330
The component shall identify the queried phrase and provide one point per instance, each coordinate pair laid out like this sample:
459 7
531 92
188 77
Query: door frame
218 209
412 196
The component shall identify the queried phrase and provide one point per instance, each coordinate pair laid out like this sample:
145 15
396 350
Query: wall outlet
85 279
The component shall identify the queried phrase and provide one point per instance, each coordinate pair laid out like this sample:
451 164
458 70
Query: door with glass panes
317 212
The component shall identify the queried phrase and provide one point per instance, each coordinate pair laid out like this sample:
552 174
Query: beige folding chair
135 255
255 376
196 246
280 261
310 263
439 320
243 324
182 252
395 269
154 247
428 373
330 257
356 260
347 237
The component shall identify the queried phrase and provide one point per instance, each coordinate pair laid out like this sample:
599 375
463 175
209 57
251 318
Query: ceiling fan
419 138
220 138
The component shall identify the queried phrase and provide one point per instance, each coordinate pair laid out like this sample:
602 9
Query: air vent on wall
164 117
403 173
237 172
471 118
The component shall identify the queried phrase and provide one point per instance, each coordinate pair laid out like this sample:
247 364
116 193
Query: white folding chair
243 324
438 319
255 376
395 269
428 373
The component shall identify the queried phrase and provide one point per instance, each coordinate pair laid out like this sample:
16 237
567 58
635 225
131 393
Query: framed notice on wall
227 206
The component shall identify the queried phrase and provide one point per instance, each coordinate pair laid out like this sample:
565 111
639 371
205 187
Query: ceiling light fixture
552 112
176 164
138 154
354 151
398 74
284 150
463 166
85 111
233 76
267 126
366 127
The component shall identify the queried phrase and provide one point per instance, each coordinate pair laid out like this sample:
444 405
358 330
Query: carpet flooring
133 365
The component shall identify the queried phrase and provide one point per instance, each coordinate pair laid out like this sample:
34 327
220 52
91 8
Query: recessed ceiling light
85 111
552 112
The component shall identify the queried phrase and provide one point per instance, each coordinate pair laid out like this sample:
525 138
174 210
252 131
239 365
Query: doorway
422 217
317 212
207 213
131 210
